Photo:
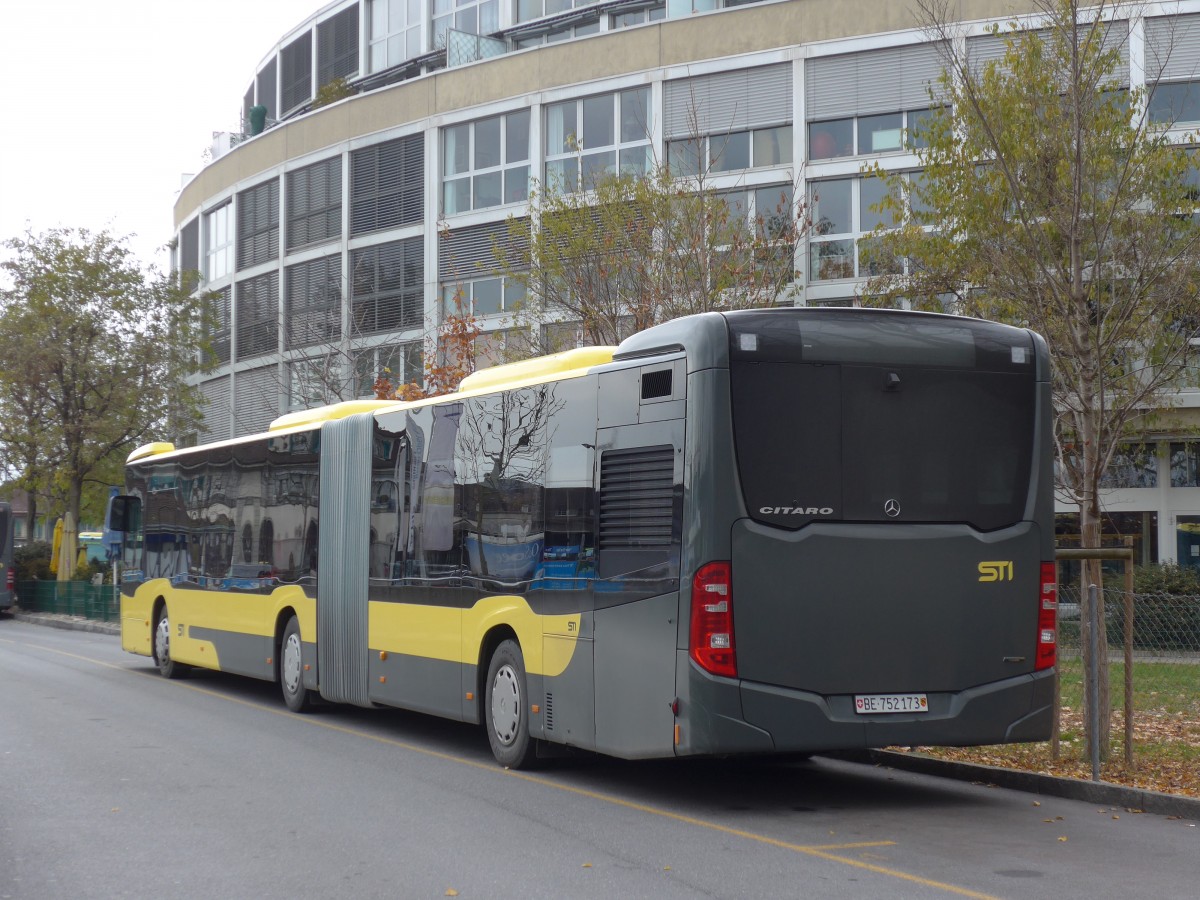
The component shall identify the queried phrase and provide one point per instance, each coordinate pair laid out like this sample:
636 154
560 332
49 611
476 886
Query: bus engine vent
548 711
637 497
656 384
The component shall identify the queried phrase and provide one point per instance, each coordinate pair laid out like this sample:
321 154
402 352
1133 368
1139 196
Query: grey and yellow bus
756 532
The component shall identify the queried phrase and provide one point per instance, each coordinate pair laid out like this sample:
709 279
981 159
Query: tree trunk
1092 574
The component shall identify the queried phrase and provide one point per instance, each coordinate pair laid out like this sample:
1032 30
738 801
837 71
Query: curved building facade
393 140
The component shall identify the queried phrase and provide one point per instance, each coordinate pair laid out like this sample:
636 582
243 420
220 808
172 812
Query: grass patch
1166 731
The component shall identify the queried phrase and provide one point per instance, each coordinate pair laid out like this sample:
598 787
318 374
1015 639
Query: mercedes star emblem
892 508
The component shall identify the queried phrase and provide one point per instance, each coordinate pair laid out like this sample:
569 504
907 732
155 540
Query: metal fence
72 598
1166 627
1165 670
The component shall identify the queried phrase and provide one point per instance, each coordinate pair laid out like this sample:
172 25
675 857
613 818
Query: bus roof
554 367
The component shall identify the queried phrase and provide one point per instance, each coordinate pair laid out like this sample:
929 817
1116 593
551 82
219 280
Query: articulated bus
750 532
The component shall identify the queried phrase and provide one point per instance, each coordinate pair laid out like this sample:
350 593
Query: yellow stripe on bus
455 635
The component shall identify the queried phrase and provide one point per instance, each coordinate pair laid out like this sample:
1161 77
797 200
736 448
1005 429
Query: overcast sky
106 103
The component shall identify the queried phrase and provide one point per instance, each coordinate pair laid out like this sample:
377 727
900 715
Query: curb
1100 792
68 623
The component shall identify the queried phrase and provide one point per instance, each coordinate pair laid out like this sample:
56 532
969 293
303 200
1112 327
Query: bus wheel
507 709
162 648
291 669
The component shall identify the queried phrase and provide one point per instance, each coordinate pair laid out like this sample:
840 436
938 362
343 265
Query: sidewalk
1100 793
70 623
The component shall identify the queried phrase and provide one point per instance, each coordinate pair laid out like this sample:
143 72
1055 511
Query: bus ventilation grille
656 384
548 713
637 497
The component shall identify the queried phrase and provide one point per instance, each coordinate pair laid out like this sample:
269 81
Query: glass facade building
387 145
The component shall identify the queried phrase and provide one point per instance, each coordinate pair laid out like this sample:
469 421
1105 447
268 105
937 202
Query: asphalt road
117 783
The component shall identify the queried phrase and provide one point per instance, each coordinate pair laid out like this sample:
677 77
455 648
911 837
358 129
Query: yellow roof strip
328 413
544 368
155 449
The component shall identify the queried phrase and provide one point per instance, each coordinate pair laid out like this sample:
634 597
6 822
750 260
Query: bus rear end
889 576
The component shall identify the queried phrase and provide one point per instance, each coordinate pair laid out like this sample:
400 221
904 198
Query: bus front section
871 555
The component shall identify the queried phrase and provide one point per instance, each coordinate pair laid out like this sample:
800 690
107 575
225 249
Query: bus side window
131 557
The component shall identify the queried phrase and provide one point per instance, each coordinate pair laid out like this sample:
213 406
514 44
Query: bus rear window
894 442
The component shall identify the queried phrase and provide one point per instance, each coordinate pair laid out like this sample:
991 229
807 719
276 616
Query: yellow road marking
826 851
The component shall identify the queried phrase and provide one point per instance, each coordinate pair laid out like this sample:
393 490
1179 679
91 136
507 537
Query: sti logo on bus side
796 510
996 571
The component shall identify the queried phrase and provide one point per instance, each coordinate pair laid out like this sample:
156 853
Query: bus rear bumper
781 720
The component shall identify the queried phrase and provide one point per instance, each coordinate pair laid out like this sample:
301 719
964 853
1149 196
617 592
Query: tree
455 359
1052 198
636 249
93 357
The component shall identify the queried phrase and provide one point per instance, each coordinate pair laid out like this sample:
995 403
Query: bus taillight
712 619
1047 618
10 581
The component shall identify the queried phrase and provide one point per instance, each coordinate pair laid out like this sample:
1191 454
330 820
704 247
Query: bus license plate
873 704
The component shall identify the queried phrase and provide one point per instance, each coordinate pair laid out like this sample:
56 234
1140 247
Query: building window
491 347
313 302
386 292
218 243
485 163
387 186
1132 466
398 363
559 33
395 32
337 46
221 325
731 152
257 316
312 382
1175 102
258 225
844 215
528 10
471 16
590 137
314 203
655 13
1185 464
482 296
865 135
295 83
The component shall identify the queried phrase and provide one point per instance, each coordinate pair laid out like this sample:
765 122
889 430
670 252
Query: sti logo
996 571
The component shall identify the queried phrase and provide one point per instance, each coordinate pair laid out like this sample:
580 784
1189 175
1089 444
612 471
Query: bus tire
167 667
506 708
291 668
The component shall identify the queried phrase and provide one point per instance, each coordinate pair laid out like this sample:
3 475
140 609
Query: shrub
1166 578
32 561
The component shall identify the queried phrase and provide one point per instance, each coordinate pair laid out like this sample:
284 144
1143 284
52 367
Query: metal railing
71 598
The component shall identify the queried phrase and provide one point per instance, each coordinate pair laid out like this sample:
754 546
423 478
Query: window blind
337 46
728 101
387 286
1173 48
387 185
314 203
296 65
257 318
313 302
258 224
863 84
470 252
